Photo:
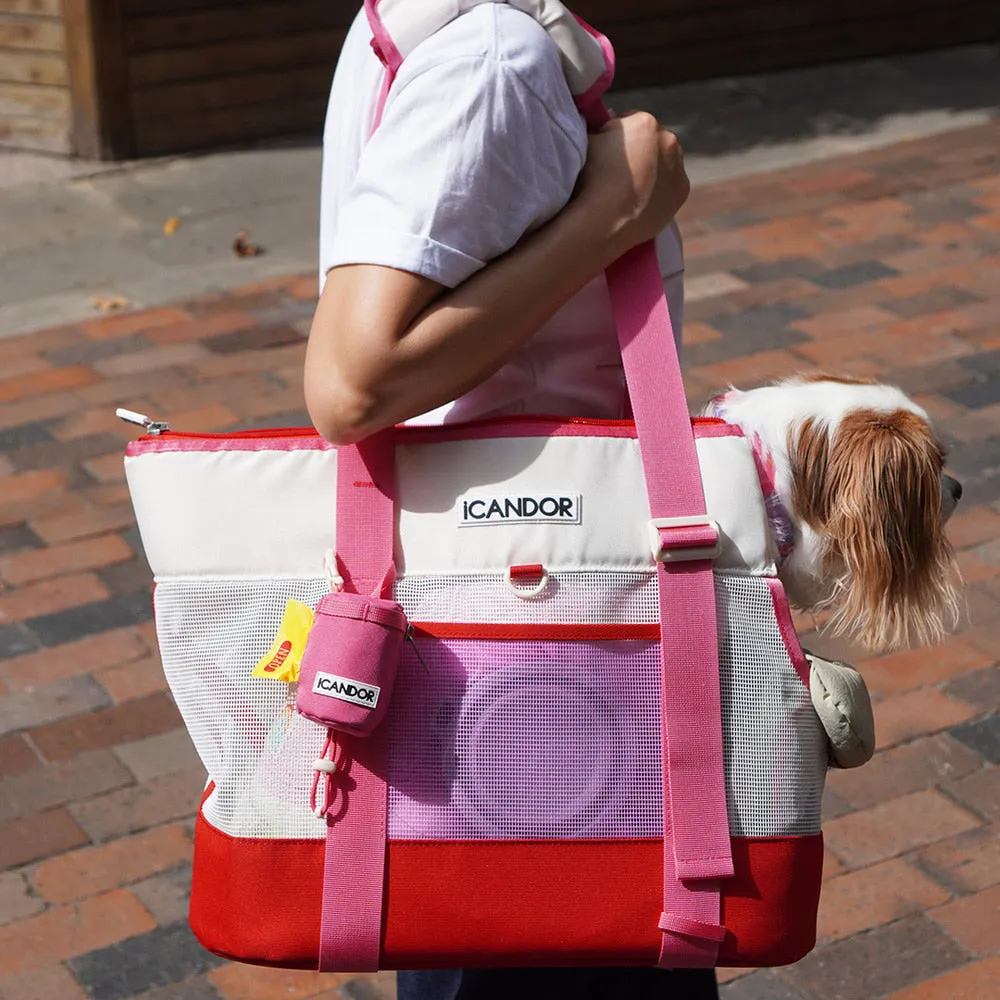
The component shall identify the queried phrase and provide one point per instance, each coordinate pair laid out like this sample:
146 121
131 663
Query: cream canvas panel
259 512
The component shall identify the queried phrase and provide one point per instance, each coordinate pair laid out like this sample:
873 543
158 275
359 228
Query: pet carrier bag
598 745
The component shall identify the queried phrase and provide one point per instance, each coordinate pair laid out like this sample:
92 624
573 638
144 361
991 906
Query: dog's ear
880 510
809 456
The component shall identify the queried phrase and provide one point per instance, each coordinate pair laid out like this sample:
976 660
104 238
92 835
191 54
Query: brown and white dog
858 504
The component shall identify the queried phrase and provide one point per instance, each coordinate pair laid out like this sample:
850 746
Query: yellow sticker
281 662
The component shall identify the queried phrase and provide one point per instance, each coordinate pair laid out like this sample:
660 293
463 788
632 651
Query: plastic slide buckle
683 539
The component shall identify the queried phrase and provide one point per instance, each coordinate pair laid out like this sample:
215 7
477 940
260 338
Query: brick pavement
884 264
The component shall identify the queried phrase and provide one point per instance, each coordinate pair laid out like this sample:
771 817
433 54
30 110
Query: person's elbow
341 413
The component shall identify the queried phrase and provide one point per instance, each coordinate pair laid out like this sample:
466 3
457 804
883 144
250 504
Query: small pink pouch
350 661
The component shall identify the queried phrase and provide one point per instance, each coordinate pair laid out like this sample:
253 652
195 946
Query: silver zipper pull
151 426
408 634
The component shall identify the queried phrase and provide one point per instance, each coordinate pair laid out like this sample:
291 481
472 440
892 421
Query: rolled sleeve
468 158
404 251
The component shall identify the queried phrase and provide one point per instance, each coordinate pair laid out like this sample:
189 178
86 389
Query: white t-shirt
480 142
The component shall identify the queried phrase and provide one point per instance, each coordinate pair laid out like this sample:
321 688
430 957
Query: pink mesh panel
506 739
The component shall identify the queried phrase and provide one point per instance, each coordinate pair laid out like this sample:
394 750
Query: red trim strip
707 427
164 443
306 438
528 631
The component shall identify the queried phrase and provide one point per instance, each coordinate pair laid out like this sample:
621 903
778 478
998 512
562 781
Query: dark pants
564 984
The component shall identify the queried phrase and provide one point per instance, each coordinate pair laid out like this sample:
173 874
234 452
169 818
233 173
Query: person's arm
386 345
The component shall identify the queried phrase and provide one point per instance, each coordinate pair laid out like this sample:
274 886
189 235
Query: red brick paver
884 264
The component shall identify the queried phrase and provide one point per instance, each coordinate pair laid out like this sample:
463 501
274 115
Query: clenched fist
634 180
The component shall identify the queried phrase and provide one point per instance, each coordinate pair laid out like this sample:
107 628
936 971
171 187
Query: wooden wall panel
34 79
813 44
669 41
210 72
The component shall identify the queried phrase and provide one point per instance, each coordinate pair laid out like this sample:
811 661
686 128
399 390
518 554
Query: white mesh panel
256 749
259 751
579 597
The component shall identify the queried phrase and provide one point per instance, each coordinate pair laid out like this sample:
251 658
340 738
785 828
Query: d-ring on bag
599 747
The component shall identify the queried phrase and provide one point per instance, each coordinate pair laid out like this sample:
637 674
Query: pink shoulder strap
697 852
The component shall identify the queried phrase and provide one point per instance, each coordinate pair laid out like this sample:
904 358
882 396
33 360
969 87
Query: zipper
156 428
153 427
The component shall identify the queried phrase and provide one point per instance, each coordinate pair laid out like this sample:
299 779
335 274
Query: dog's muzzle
951 493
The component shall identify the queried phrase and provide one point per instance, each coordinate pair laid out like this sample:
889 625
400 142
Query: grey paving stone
94 350
738 344
47 454
127 577
975 459
981 689
160 800
15 640
134 540
790 267
951 203
834 805
763 320
982 392
938 194
375 986
984 363
288 311
166 895
936 300
197 988
955 210
14 537
13 438
877 964
985 489
910 165
983 736
36 706
724 260
138 964
153 756
948 375
293 418
763 985
854 274
737 219
89 619
254 338
93 772
880 246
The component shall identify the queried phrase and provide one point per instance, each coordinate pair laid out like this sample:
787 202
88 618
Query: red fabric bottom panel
500 903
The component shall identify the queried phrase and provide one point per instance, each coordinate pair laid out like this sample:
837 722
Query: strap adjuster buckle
684 539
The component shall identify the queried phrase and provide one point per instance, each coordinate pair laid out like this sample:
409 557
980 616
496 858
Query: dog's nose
951 493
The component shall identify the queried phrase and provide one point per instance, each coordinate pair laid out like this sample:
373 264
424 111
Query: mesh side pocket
255 747
775 747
